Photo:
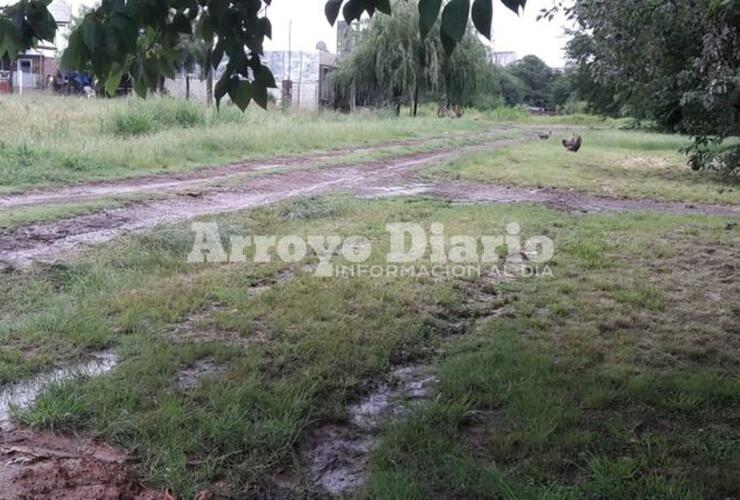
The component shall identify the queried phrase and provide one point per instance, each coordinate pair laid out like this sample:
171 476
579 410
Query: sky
521 34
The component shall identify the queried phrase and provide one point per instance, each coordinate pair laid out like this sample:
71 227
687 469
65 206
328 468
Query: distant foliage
676 63
392 61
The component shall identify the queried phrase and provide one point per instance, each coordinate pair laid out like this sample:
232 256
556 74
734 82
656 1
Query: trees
138 37
675 62
392 59
537 77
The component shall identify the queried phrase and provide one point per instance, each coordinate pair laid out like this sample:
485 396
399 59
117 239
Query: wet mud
336 455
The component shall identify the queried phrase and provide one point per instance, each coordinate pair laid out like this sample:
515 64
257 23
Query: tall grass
145 117
59 140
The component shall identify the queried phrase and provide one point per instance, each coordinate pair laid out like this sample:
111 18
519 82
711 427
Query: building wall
307 70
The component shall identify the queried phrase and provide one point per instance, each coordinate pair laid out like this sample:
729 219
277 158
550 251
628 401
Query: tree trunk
209 87
416 99
187 86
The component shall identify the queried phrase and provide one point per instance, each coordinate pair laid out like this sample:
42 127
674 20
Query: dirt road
50 241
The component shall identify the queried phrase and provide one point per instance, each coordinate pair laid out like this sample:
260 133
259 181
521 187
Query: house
30 70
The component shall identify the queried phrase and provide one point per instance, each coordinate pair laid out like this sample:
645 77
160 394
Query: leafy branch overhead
140 38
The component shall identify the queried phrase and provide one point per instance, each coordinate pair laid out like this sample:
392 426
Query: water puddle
191 377
22 395
336 456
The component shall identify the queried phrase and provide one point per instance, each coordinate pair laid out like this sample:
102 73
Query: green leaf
428 13
259 95
384 6
332 10
352 10
218 53
264 77
41 21
455 19
222 87
241 94
114 79
71 57
482 15
514 5
140 87
10 41
89 33
448 43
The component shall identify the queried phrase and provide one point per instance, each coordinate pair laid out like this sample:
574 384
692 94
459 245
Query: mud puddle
336 455
22 395
48 242
570 201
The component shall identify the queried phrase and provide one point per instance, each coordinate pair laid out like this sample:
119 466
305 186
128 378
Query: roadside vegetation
53 140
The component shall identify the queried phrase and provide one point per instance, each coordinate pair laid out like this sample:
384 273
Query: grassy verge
56 141
594 382
612 163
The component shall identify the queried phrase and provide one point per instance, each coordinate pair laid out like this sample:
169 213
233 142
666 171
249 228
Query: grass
612 163
591 383
54 141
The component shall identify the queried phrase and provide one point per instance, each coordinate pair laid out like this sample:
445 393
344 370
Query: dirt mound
41 465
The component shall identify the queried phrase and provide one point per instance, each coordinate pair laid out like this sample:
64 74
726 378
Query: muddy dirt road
175 182
50 241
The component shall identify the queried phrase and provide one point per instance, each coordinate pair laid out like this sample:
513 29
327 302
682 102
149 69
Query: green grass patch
583 385
612 163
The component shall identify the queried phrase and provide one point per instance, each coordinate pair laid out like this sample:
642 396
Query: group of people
73 83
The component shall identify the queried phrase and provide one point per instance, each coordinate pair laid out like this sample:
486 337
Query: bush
140 117
130 123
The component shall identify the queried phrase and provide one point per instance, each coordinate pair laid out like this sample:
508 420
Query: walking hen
573 144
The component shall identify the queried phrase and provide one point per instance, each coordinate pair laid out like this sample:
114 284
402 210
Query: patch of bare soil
48 242
570 201
336 455
44 466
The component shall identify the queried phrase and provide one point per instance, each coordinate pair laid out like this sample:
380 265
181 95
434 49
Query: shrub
130 123
140 118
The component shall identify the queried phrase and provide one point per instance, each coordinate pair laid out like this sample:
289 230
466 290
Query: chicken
573 144
458 111
442 112
545 135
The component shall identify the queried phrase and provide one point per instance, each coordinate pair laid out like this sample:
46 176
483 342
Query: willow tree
393 58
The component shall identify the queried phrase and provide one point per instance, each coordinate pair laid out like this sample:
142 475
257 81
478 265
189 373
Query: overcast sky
523 35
